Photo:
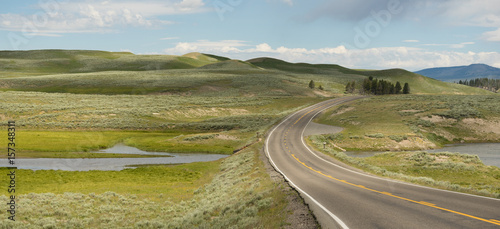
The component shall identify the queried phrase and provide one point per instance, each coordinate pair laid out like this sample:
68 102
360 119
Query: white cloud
43 35
375 58
411 41
454 46
189 6
264 48
86 16
484 13
225 46
470 13
492 35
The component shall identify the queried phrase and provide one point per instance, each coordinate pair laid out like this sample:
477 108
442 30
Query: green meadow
418 122
414 122
236 191
70 103
450 171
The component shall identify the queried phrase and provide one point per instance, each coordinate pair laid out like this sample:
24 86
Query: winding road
343 197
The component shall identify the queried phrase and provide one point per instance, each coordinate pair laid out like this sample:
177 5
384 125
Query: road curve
342 197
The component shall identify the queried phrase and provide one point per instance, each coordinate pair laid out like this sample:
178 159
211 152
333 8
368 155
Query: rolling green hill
418 83
271 63
100 72
45 62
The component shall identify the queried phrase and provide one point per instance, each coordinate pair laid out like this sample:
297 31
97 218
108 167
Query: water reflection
110 163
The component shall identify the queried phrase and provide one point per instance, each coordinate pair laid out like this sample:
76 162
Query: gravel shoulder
299 215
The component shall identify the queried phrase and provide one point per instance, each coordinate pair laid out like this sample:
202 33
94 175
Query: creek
79 164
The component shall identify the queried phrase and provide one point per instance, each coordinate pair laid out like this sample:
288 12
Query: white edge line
376 177
334 217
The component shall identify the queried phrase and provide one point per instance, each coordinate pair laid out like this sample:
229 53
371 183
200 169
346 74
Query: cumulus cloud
374 58
484 13
492 35
453 46
86 16
224 46
354 10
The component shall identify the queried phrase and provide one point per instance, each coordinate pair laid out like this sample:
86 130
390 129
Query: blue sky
370 34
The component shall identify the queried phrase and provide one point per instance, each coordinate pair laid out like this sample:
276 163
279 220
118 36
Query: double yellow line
492 221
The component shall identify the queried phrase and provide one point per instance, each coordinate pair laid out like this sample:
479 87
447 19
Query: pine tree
406 89
311 84
374 86
366 86
348 87
398 88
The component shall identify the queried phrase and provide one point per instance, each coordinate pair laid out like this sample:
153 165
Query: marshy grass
414 122
235 192
451 171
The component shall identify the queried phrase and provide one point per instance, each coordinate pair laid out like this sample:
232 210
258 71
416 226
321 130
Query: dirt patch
279 90
300 215
439 159
323 93
2 117
202 112
411 111
226 137
481 125
347 109
385 144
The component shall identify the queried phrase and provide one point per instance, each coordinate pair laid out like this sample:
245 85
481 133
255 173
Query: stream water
489 153
110 163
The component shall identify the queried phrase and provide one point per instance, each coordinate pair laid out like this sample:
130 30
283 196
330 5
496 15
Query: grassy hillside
99 72
414 122
420 84
43 62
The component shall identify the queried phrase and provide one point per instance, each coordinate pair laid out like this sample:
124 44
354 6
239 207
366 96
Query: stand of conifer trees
484 83
379 87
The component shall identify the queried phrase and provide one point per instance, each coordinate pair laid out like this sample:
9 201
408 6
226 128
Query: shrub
201 137
377 135
398 138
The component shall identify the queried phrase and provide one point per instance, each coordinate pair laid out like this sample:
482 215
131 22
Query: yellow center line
492 221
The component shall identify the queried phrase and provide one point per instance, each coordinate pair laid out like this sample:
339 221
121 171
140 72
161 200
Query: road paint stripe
398 197
389 180
376 177
333 216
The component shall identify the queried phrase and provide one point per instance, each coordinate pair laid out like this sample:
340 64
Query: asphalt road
343 197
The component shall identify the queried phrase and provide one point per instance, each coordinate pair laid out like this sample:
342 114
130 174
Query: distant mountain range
451 74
